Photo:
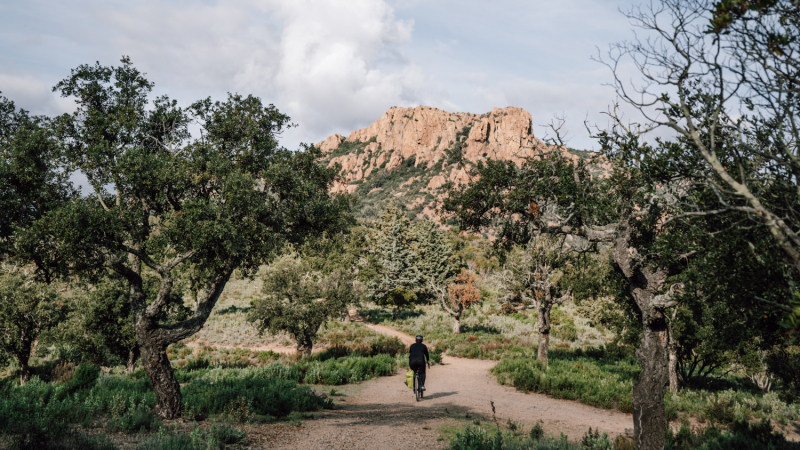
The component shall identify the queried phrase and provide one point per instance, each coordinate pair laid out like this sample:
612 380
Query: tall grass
597 378
41 413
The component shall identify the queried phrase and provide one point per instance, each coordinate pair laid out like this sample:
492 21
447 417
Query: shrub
596 441
85 377
742 436
63 372
267 396
476 438
215 438
135 420
537 432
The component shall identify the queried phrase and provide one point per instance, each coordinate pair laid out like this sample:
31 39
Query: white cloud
341 63
33 94
332 65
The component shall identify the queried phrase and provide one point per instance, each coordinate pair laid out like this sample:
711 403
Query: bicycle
417 390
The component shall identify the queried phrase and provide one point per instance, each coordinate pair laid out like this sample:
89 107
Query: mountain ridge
409 154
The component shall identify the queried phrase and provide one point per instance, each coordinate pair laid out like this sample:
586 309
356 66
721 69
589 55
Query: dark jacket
418 355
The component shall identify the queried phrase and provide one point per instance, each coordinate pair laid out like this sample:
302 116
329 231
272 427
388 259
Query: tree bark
23 357
544 346
24 369
649 409
544 331
457 324
672 354
133 355
159 371
304 346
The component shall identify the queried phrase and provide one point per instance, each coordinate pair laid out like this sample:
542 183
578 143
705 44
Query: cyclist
417 358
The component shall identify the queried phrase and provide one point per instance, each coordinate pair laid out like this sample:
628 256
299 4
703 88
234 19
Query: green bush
135 420
223 394
606 384
476 438
742 436
596 441
85 376
216 438
594 377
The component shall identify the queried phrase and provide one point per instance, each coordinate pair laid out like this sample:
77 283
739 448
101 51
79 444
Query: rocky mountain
409 154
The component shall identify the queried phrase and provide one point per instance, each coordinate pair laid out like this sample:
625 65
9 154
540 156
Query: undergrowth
596 378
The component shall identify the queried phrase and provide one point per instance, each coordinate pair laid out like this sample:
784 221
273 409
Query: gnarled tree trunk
24 368
649 410
672 355
543 324
304 346
24 356
159 371
133 355
457 323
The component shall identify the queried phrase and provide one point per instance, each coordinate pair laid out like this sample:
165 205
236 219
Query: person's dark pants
421 368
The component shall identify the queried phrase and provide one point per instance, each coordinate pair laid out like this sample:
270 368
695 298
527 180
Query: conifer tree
398 280
433 259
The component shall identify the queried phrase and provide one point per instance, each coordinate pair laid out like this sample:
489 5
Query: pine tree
399 281
433 255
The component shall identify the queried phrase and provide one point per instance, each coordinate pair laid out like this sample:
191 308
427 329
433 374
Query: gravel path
383 414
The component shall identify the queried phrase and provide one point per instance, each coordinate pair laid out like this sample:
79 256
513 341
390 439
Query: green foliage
433 257
297 301
85 377
40 412
742 435
455 153
32 183
603 378
218 437
477 438
347 147
27 309
100 325
784 364
241 395
596 441
137 419
606 383
398 278
537 431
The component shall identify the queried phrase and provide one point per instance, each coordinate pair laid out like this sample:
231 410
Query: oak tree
163 199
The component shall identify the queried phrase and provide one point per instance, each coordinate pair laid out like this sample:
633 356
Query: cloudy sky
332 65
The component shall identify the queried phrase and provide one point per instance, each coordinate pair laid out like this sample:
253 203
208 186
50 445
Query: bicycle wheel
417 390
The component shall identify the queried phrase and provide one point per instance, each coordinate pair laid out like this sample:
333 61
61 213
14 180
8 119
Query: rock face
409 154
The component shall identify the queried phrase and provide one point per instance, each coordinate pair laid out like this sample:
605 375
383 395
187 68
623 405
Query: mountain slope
409 154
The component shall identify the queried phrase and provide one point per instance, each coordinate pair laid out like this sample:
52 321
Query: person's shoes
422 388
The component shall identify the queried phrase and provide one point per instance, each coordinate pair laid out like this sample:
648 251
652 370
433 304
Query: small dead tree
530 276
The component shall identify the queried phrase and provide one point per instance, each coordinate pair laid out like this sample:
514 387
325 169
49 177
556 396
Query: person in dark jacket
417 359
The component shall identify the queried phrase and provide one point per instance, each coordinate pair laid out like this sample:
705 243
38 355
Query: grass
214 438
48 414
487 437
596 378
487 333
581 367
741 436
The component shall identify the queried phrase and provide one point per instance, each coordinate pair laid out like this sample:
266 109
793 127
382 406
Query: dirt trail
383 413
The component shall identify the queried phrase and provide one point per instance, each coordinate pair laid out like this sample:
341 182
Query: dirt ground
383 413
